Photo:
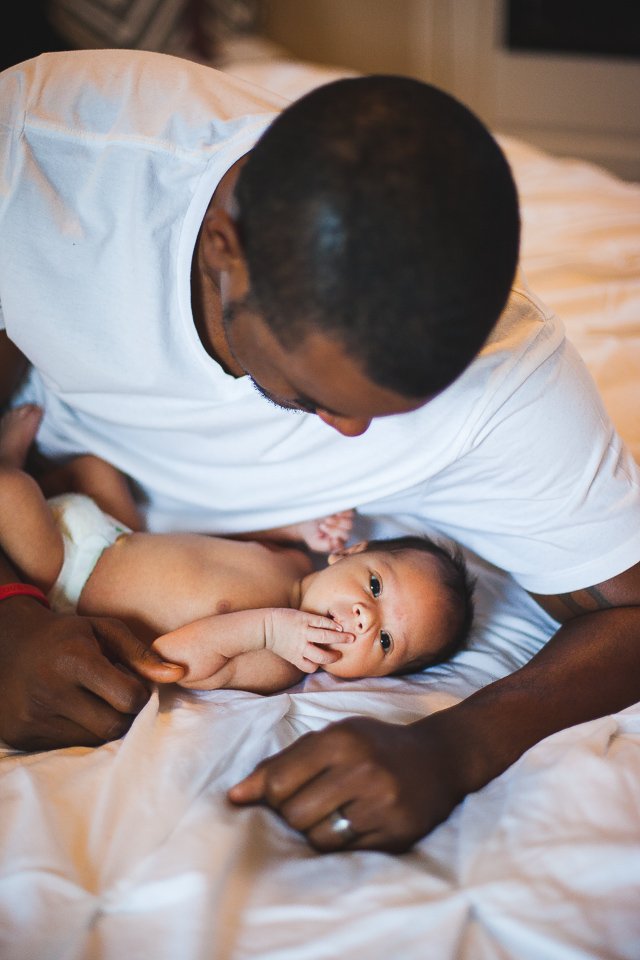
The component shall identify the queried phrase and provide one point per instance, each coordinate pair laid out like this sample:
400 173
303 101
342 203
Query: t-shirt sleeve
547 490
14 85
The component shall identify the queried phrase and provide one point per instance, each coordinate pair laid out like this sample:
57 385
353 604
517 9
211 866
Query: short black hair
459 587
380 212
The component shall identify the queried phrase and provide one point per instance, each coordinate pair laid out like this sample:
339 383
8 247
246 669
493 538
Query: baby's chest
212 582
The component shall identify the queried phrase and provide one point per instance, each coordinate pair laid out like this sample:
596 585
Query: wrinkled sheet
131 851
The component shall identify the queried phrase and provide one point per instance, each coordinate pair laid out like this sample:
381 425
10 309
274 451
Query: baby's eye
374 583
385 640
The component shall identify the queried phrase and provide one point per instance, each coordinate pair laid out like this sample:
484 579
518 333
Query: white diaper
86 532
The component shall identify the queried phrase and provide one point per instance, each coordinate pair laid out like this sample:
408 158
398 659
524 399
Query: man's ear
348 551
222 251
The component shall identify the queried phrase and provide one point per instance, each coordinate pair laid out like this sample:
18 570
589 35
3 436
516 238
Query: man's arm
59 685
395 783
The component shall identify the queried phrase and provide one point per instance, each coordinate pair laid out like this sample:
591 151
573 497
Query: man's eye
385 640
374 583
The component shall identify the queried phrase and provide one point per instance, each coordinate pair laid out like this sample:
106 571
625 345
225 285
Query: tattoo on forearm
603 603
571 604
569 600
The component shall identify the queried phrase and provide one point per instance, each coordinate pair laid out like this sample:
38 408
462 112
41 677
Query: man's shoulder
526 325
136 93
527 343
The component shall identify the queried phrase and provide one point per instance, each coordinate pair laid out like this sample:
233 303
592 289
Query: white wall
572 105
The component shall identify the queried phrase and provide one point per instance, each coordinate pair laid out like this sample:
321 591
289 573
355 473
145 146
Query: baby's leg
324 535
101 481
28 534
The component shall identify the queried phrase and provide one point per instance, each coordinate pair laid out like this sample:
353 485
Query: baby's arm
205 646
259 671
325 535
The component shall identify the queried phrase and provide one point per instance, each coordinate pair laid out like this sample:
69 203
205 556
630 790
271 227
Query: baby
240 615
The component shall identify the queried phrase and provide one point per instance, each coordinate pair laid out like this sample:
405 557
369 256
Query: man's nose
347 426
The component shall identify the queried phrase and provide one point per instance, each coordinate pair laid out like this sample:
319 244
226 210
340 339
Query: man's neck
206 301
206 307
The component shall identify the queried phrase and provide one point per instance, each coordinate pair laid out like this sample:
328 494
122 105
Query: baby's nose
363 617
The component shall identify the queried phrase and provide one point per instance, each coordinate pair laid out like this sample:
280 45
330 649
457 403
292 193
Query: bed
130 850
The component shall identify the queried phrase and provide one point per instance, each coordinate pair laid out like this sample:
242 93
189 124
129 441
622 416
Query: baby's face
393 603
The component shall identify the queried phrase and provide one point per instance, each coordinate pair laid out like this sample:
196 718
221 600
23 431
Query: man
157 266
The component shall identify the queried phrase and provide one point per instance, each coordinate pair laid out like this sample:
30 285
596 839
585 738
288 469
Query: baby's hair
459 586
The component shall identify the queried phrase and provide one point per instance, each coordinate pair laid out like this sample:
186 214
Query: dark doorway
602 27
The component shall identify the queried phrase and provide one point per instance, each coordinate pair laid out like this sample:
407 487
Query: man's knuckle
71 649
275 789
36 708
14 734
147 657
388 787
115 728
132 700
294 816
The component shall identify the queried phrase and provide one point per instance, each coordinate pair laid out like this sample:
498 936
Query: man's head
408 601
377 219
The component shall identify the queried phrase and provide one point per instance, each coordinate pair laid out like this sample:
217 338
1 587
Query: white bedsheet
130 850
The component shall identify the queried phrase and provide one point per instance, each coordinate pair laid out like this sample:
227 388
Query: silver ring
342 826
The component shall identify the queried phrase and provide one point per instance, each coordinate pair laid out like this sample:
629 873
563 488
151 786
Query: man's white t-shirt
108 160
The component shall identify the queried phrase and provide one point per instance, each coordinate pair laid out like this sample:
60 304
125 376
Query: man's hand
59 683
394 783
294 635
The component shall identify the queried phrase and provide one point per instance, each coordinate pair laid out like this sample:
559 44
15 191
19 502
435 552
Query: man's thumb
122 646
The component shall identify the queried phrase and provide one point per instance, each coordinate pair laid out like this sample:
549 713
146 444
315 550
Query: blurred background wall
561 74
584 104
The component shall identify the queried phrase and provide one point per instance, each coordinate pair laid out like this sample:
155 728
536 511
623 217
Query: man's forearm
590 668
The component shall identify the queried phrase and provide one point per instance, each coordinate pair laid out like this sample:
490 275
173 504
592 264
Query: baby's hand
327 534
294 635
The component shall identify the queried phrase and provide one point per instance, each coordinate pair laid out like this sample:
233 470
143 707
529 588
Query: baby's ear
347 551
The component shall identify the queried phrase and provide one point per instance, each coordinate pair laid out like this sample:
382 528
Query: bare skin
58 680
36 682
238 615
418 773
154 584
318 376
396 783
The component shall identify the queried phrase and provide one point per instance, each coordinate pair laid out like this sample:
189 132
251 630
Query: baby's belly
156 583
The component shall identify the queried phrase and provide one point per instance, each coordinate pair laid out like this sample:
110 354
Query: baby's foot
325 535
18 430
